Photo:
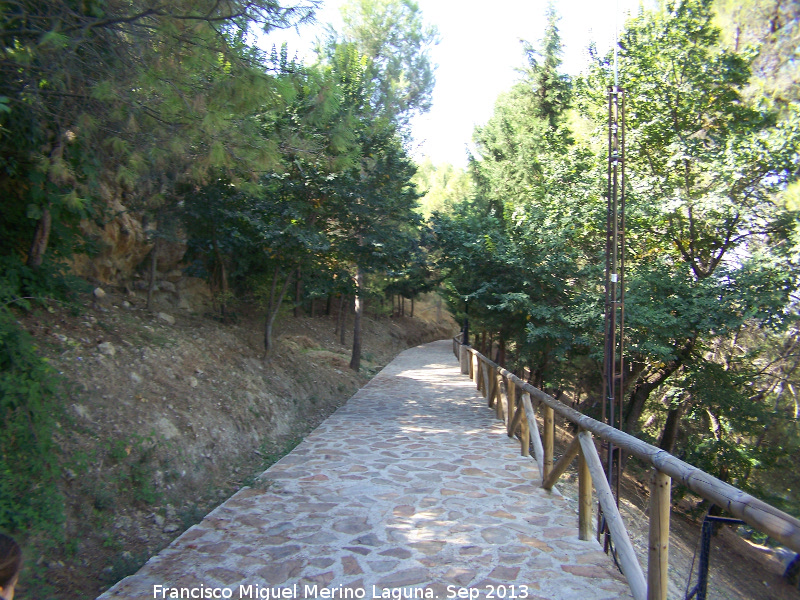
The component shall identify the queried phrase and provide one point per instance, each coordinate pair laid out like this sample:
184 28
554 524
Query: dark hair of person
10 560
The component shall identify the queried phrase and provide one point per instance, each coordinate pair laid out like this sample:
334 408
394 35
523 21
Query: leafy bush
29 496
23 287
133 458
29 401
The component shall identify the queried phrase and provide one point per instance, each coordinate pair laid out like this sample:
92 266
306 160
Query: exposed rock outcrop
122 240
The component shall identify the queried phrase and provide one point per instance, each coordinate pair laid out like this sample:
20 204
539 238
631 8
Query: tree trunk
412 307
339 315
223 278
151 286
272 309
355 360
40 239
671 428
329 305
500 357
648 382
298 288
641 392
342 320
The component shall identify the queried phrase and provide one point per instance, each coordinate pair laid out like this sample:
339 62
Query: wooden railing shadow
515 401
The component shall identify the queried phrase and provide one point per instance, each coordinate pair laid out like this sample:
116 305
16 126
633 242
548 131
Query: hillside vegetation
153 150
161 420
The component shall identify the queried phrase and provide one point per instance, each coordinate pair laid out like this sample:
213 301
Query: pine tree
551 88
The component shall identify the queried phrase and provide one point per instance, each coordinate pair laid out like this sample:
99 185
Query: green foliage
522 147
178 87
522 252
29 406
265 167
711 268
551 88
723 422
773 28
443 186
124 564
30 401
392 35
377 222
23 287
132 464
707 165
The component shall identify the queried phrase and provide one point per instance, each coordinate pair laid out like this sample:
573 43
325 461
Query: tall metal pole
614 284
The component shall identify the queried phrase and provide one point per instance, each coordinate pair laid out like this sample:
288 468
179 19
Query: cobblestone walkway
412 489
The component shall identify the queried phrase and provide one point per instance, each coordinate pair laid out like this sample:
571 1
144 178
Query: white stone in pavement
411 487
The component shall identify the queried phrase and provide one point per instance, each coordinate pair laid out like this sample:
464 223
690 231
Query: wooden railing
513 401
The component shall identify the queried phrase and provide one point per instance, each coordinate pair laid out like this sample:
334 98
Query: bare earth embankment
167 414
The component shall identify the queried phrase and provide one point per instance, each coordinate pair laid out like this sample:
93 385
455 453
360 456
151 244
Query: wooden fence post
558 469
502 398
487 384
657 562
525 434
549 439
585 507
511 394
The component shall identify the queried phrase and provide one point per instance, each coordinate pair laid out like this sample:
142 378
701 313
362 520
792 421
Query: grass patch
269 456
123 565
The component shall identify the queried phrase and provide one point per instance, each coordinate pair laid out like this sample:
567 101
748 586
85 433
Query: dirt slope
167 414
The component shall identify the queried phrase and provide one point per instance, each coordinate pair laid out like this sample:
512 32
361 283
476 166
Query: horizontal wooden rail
503 390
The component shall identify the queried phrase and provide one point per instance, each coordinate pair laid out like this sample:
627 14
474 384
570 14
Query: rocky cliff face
125 244
122 240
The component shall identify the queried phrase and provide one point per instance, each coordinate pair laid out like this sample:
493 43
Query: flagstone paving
412 489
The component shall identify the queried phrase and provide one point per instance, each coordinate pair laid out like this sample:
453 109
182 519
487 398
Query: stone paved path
412 487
